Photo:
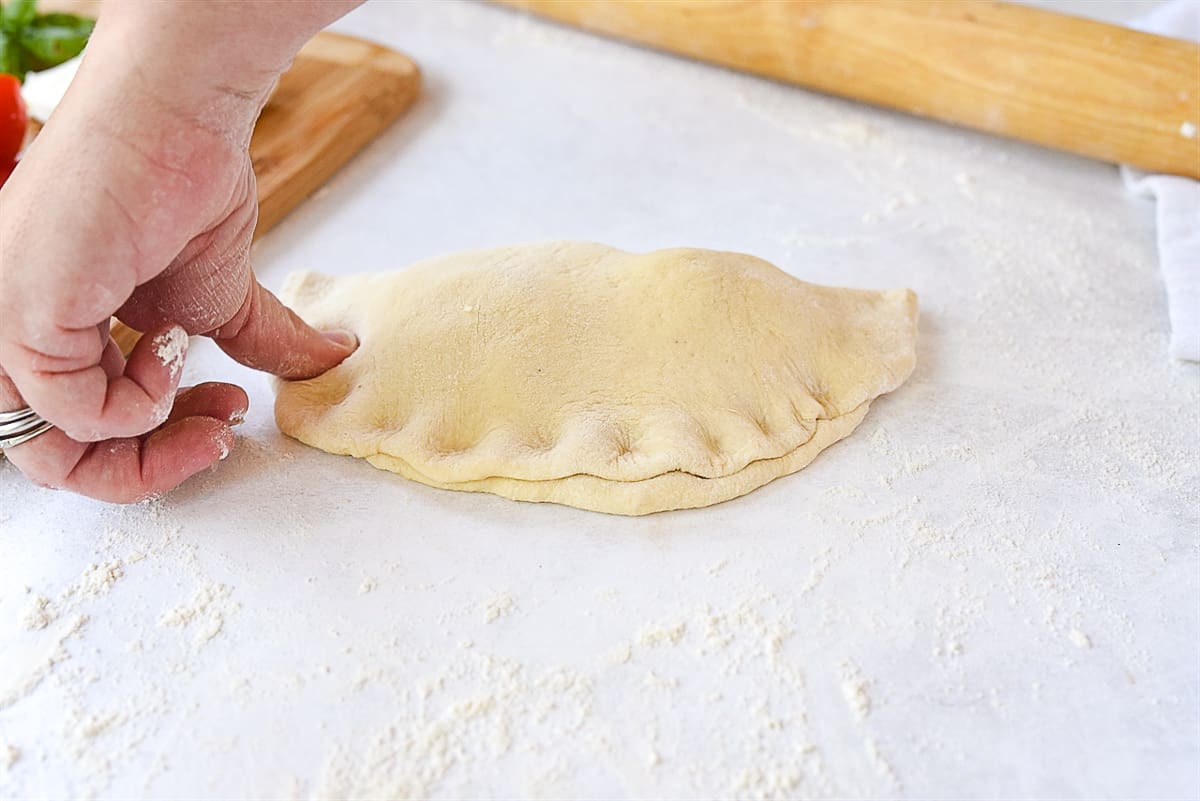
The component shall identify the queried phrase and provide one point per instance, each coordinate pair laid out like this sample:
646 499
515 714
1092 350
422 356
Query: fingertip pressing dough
576 373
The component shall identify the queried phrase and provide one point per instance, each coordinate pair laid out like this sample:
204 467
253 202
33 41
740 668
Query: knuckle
242 320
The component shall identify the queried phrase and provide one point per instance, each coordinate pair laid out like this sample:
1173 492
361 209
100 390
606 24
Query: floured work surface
577 373
987 590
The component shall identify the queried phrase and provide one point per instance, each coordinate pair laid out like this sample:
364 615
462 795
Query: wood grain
1098 90
340 93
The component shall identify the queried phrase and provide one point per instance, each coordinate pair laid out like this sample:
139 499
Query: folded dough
577 373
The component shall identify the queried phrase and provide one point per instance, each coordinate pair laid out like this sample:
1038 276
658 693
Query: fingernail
343 339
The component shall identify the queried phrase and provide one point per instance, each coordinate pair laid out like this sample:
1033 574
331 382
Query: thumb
266 335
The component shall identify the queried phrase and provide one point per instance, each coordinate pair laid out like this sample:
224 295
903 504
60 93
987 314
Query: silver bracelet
20 426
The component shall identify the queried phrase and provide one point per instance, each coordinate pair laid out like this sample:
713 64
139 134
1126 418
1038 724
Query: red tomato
13 122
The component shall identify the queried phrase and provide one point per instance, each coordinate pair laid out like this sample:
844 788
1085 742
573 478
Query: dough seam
811 434
641 497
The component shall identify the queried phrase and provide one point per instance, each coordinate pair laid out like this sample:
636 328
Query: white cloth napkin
1178 202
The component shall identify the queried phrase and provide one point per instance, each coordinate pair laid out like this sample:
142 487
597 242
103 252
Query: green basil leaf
79 24
17 14
12 60
49 47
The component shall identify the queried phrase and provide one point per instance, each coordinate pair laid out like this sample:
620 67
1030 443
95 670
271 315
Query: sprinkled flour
170 347
206 608
498 607
38 614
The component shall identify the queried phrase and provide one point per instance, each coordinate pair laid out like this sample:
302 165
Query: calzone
580 374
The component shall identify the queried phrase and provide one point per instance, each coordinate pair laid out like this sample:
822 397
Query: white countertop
989 590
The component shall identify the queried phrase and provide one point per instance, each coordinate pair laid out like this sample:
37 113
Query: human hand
138 200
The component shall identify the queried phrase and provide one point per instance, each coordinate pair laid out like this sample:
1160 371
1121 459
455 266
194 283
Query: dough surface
576 373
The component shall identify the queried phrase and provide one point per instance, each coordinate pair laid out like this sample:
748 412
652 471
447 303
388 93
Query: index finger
266 335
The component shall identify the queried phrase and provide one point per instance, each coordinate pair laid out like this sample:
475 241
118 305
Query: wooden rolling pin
1098 90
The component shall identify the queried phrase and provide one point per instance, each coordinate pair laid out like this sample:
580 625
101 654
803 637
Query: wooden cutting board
340 93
